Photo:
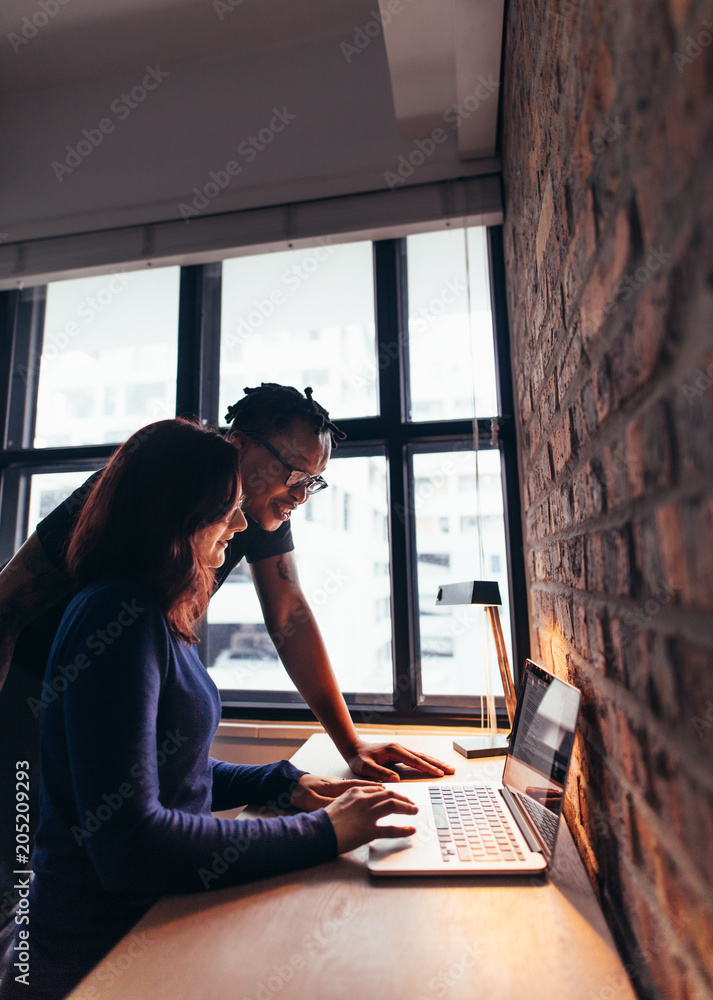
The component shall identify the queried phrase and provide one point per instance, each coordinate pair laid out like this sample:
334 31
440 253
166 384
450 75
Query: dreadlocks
270 408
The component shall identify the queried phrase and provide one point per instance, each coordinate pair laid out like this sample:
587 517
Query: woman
128 716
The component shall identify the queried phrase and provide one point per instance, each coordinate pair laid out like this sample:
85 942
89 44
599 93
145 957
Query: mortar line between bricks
682 209
611 428
623 197
652 117
682 621
606 434
646 889
631 947
624 513
529 28
640 714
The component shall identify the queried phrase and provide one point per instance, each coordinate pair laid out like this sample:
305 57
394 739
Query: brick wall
608 157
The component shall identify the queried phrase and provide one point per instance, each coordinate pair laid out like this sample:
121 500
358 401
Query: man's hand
369 759
313 792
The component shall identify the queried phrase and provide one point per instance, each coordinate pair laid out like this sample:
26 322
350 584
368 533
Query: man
285 439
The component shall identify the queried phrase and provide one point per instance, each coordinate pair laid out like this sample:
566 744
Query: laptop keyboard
472 825
543 820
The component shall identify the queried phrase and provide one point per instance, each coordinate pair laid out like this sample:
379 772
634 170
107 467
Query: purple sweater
128 713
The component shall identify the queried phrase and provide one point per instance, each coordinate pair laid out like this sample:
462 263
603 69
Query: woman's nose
238 521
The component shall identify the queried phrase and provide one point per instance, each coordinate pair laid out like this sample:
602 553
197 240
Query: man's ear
238 439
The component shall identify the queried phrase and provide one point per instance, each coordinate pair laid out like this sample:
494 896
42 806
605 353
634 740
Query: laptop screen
540 749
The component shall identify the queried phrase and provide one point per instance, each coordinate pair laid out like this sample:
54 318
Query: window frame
197 389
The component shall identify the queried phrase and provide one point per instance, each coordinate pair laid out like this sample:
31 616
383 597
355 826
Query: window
308 312
396 339
106 364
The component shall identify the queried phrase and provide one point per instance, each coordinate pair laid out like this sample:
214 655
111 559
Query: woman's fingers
395 831
342 786
400 803
354 815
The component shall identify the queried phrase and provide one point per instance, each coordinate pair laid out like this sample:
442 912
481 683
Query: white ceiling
97 39
438 50
364 97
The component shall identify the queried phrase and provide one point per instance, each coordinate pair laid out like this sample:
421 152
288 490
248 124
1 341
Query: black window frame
197 387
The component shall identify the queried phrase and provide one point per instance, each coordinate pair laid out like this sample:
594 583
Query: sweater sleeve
110 712
237 784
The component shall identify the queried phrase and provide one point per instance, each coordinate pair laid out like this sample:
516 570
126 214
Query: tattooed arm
299 642
29 585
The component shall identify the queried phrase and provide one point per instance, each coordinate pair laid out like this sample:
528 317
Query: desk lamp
487 594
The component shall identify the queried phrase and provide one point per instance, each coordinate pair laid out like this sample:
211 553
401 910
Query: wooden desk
336 933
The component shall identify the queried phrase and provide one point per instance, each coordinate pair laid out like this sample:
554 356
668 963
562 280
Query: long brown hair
166 482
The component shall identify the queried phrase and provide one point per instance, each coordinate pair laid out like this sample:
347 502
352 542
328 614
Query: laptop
507 828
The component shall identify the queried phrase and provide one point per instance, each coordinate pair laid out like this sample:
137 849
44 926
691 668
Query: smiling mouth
283 511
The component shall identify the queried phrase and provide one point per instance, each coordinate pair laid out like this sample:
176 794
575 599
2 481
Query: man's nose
299 493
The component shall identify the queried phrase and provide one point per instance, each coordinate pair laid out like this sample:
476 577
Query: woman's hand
313 792
354 815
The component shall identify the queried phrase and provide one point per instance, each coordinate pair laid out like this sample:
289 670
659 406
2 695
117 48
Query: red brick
601 288
624 465
562 443
694 683
657 447
693 409
696 521
616 574
671 546
635 458
637 350
581 631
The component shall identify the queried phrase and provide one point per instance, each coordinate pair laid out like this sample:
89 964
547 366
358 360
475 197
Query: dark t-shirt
34 643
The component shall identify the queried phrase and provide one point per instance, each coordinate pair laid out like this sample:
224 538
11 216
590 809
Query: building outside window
396 339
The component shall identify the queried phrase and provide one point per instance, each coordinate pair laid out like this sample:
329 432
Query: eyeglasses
296 477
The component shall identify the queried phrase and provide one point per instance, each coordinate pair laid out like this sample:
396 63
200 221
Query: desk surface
336 933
